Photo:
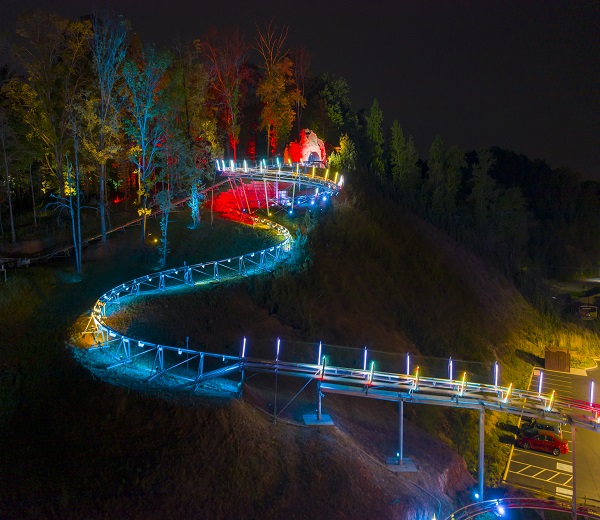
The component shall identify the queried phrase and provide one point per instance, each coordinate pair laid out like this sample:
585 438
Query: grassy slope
76 447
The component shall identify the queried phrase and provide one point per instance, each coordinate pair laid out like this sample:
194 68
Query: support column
401 430
574 499
481 450
318 400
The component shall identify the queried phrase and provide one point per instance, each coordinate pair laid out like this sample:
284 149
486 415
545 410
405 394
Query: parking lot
553 475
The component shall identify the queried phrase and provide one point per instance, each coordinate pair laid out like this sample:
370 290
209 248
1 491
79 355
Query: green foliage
343 159
375 139
445 174
483 190
279 95
406 174
54 53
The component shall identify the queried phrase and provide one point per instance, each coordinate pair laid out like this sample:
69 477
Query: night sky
523 75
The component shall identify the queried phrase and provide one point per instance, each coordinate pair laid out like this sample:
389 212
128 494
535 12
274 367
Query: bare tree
226 53
301 58
109 46
277 89
144 123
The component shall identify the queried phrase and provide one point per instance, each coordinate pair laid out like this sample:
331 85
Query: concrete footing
310 419
406 465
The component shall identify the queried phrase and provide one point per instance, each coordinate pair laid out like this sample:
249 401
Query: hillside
77 447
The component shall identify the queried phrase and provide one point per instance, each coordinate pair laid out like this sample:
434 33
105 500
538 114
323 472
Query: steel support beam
319 397
401 431
481 450
574 499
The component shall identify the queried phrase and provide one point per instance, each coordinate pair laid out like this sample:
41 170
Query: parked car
537 425
543 441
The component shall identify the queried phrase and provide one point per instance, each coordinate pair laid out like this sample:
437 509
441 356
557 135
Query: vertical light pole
540 383
407 364
450 369
496 373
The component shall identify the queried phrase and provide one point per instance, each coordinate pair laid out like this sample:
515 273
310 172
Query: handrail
334 379
499 506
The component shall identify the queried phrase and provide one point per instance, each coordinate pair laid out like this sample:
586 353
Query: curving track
498 508
188 367
335 379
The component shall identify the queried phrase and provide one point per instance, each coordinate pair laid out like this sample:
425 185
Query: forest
90 116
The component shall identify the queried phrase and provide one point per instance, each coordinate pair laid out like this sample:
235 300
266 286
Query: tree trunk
35 225
102 202
8 193
145 198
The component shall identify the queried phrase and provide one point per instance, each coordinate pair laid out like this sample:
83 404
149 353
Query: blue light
500 510
312 202
291 212
324 199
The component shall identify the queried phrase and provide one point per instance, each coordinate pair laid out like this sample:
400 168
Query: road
554 475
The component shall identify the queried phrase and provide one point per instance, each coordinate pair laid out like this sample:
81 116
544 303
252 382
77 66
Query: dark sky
520 74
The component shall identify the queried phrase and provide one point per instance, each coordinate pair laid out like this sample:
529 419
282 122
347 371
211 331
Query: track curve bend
193 368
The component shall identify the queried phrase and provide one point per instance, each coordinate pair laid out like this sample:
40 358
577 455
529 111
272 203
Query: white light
541 380
500 510
244 348
591 393
407 364
278 344
179 352
496 373
325 199
319 356
450 370
365 360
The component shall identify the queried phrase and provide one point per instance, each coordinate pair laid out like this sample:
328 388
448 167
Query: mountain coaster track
192 368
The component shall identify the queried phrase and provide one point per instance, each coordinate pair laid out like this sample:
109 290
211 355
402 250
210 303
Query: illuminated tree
226 53
344 157
277 89
70 199
53 53
144 122
108 46
301 59
191 130
375 139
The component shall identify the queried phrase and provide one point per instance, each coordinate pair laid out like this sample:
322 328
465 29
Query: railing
194 367
499 507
